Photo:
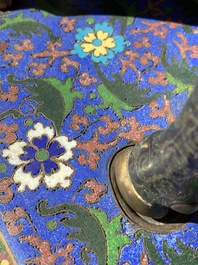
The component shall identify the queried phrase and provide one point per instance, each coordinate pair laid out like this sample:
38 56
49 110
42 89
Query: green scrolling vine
105 241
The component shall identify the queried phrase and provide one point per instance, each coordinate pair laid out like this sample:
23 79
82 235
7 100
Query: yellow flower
98 43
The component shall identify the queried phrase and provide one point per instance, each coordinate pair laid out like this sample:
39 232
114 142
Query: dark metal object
158 176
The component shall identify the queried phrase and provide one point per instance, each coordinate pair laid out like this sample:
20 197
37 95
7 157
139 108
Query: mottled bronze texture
159 174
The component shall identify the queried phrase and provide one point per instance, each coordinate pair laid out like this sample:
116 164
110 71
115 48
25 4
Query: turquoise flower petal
103 58
100 59
110 54
78 50
104 27
120 43
82 33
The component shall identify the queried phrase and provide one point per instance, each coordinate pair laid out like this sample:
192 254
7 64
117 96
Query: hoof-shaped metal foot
158 176
133 206
120 169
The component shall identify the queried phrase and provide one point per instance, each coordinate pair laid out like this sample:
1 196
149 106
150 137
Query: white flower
42 159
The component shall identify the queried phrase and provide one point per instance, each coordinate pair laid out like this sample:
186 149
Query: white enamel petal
26 180
68 145
40 130
61 178
13 153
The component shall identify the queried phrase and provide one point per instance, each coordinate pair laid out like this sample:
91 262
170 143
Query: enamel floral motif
42 159
100 43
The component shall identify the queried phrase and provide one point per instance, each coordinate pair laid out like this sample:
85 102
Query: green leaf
150 247
130 20
120 95
179 75
26 26
93 228
115 241
187 28
110 100
131 11
67 91
90 20
180 87
89 229
14 112
187 256
122 20
55 98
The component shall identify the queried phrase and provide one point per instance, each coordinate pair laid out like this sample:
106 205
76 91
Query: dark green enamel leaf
55 98
14 112
115 240
120 95
105 240
110 100
67 91
187 256
150 247
86 223
26 26
179 74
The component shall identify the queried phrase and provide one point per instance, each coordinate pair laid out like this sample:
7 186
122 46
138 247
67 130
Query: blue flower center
39 156
42 155
97 42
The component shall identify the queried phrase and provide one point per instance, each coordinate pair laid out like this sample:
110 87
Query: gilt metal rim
173 221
